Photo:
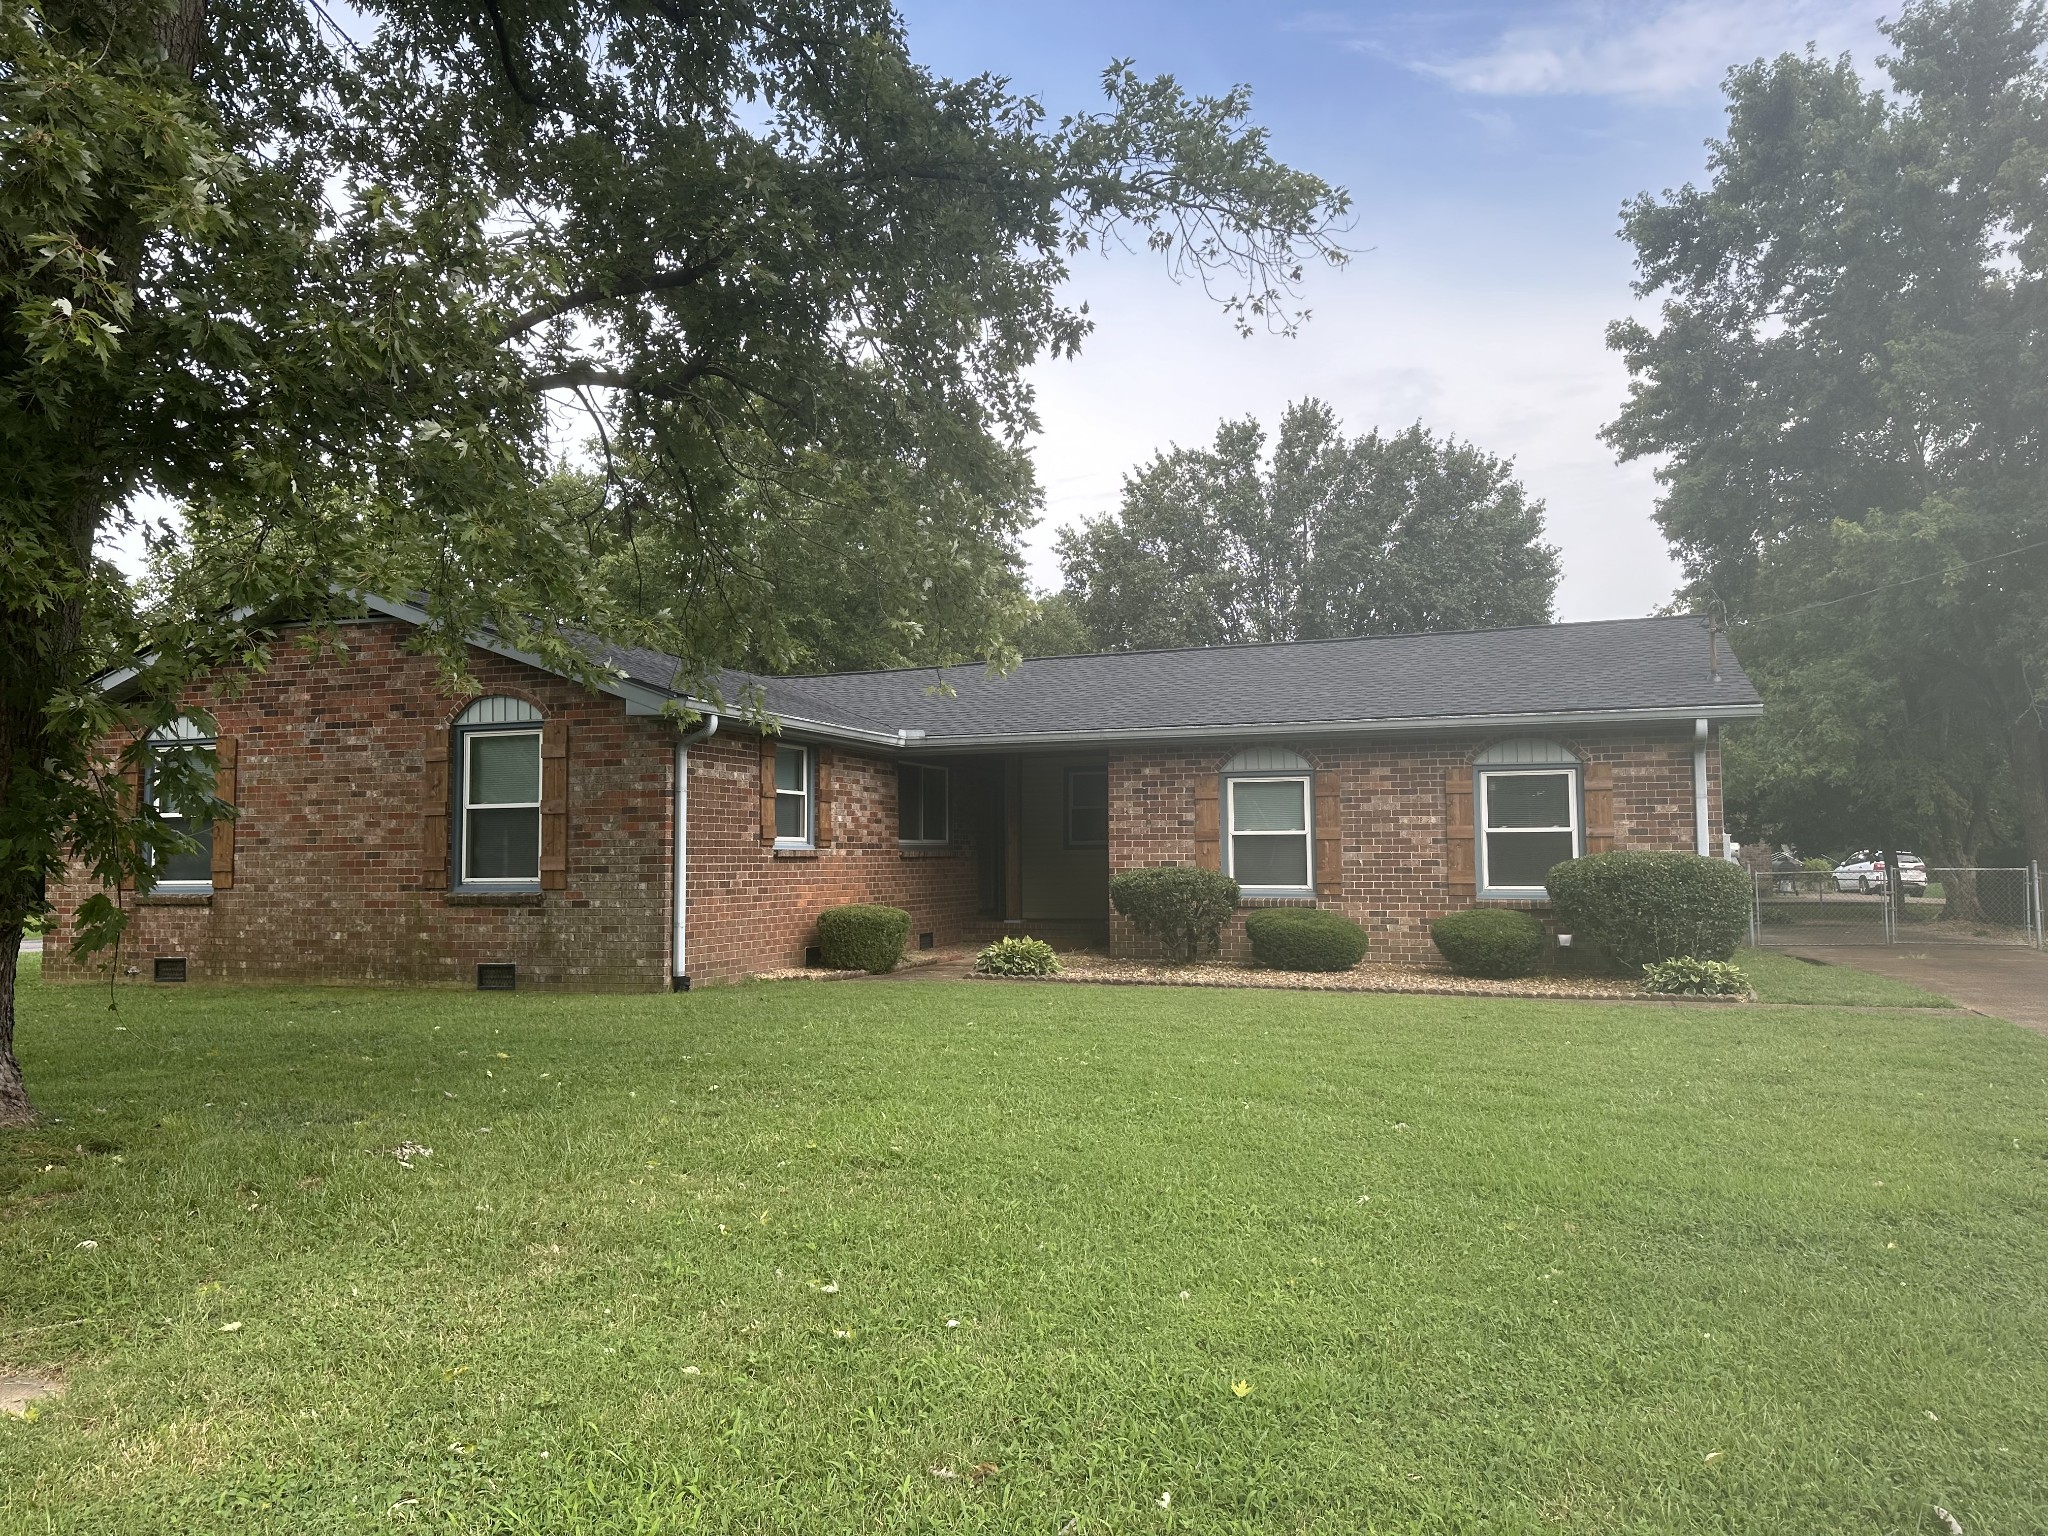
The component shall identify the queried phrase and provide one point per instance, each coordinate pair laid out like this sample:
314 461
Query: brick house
385 832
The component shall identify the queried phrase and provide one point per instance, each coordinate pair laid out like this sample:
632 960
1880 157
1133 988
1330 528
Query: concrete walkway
2006 982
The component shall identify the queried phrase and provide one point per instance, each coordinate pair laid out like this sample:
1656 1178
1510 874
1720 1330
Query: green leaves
1846 385
1329 536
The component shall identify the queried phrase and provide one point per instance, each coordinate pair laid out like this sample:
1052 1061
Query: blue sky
1489 148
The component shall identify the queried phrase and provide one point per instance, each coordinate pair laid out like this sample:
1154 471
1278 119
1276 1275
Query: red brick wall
332 882
1392 797
752 908
331 879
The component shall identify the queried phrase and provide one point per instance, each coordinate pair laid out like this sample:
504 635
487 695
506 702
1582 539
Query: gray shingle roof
1628 667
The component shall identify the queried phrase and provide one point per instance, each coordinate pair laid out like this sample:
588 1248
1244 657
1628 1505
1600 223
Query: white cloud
1405 334
1673 49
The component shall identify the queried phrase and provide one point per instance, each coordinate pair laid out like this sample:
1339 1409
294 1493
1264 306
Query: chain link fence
1809 908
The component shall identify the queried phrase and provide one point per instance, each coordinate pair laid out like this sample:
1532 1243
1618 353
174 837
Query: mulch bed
1365 978
1099 970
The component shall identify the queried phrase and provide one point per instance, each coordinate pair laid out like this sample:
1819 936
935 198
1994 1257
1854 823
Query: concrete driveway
2006 982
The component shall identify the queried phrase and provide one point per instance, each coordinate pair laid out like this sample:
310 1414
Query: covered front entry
1044 847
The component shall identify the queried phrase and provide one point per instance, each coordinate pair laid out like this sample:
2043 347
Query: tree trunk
15 1108
1959 899
42 606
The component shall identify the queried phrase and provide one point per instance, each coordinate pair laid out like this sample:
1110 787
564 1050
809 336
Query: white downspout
679 970
1701 843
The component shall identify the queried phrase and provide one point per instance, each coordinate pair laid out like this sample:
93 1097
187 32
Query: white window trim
946 836
1307 833
1576 826
158 747
463 807
808 838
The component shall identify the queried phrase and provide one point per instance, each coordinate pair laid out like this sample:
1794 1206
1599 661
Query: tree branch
520 88
674 388
597 293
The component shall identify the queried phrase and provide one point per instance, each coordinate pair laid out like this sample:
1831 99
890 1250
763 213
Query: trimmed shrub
1639 908
1490 941
1018 957
1687 977
862 938
1182 908
1304 939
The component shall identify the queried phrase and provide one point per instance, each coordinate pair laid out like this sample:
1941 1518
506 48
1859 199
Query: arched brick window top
1267 760
498 709
1527 752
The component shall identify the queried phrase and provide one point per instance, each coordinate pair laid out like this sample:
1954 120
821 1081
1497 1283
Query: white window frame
170 813
808 794
1575 826
1307 833
463 807
945 836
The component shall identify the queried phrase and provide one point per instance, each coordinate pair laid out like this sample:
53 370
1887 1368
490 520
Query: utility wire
1893 585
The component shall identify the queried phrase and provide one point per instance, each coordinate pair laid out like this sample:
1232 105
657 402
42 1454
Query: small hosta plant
1687 977
1018 957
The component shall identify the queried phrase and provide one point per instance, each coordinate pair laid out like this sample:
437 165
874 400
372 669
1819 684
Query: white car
1864 870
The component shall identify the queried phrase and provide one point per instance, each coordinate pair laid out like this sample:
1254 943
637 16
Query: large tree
1327 536
1847 386
340 296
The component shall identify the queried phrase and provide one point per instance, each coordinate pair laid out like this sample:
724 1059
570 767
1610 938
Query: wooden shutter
1208 823
1599 807
1329 846
768 789
1459 851
821 813
554 805
224 786
434 797
131 776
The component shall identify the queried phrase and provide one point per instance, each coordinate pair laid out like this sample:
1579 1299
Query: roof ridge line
1243 645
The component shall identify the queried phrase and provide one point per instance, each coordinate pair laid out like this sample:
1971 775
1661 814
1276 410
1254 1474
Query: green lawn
1778 978
1477 1265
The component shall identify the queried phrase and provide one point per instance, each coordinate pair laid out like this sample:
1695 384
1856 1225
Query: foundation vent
497 977
170 968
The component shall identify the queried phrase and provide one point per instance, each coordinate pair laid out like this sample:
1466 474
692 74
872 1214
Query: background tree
1049 626
1329 536
1847 385
340 297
